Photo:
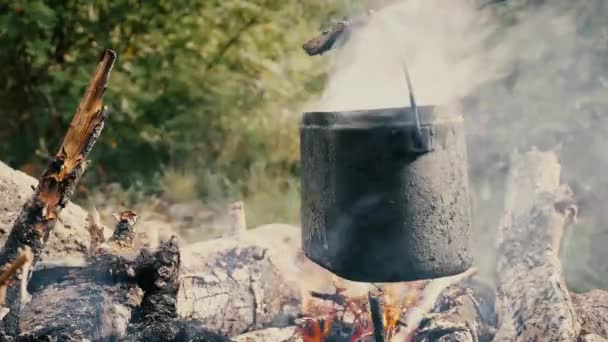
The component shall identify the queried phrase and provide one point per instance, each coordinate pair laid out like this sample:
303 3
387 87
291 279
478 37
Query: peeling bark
40 213
57 184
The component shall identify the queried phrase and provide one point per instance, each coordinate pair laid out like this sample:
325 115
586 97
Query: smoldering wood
336 298
56 186
131 297
94 300
21 264
39 214
157 274
534 300
430 295
69 236
111 298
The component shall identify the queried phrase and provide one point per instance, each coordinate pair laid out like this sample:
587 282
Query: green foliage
199 83
209 86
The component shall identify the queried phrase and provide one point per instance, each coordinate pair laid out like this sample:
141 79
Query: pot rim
392 116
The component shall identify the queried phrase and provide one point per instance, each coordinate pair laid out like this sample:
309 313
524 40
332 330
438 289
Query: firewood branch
33 226
39 215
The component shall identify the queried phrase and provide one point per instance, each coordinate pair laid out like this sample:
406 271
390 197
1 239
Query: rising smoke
524 74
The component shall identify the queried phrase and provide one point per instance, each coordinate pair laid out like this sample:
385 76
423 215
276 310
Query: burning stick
332 297
376 313
38 217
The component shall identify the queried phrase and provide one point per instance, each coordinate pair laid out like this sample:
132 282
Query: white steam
441 42
529 77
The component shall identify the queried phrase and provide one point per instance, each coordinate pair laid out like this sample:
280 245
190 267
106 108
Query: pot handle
422 137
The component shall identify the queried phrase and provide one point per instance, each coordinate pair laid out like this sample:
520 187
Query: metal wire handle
410 88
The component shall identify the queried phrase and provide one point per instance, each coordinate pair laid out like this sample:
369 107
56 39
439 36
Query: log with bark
532 291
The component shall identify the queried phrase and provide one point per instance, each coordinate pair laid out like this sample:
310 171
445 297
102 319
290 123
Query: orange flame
314 330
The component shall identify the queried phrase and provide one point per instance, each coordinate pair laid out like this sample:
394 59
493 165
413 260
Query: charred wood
156 319
376 312
124 232
93 300
40 213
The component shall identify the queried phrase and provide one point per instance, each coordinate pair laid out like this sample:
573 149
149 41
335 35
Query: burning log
419 312
534 298
111 297
40 213
78 299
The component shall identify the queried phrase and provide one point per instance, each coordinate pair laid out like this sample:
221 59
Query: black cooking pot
385 193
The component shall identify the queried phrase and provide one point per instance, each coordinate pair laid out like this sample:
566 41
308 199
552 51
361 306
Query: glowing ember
354 313
314 329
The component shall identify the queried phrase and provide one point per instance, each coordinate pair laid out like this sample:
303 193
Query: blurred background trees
204 100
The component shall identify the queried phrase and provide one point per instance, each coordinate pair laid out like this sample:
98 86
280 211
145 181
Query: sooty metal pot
385 193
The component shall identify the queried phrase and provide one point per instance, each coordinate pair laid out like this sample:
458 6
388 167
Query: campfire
352 318
255 285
